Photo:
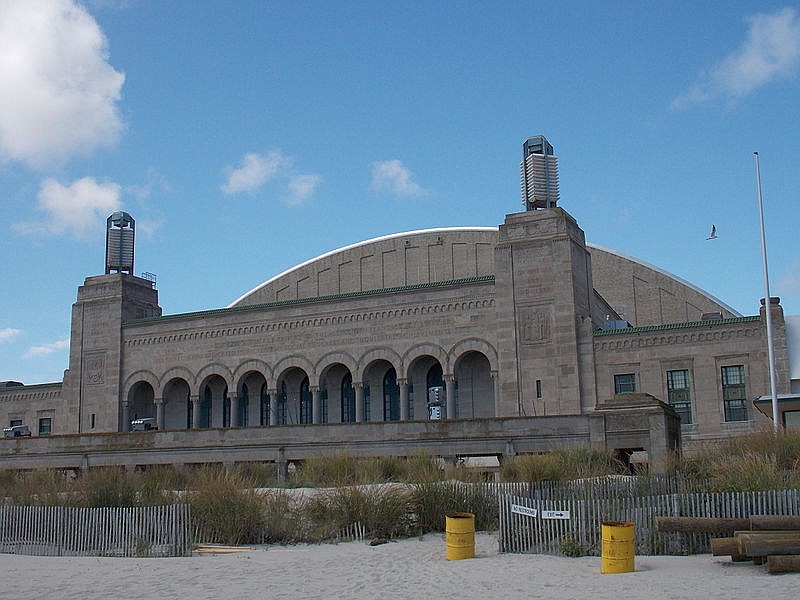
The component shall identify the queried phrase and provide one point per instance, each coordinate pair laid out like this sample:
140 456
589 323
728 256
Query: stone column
126 418
359 388
195 411
273 406
316 405
234 410
496 390
159 402
403 383
450 388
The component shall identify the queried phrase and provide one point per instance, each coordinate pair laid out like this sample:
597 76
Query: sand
412 568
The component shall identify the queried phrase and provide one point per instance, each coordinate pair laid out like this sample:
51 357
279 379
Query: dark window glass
391 396
625 383
734 397
678 394
45 426
348 400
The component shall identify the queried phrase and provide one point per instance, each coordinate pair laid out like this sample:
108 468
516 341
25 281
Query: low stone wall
452 438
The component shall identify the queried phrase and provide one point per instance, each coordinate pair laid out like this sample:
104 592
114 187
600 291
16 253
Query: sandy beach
412 568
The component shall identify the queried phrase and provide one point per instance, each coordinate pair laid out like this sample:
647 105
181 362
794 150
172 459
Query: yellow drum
460 536
618 547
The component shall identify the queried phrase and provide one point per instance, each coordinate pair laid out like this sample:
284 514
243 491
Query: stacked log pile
770 539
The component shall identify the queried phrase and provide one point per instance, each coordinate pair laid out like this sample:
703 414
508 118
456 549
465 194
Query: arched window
282 404
305 402
391 396
226 409
264 412
244 407
348 400
205 408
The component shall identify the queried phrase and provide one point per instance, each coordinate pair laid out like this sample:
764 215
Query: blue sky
248 136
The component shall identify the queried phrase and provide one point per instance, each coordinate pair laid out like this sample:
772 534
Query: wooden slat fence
590 504
68 531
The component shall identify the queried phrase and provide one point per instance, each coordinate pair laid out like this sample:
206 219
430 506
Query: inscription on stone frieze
95 369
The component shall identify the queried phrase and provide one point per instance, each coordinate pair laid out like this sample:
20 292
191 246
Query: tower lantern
538 174
120 234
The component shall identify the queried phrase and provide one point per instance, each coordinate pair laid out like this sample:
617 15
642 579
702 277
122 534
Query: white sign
523 510
555 514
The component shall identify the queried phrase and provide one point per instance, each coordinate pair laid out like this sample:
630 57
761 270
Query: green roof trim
329 298
710 323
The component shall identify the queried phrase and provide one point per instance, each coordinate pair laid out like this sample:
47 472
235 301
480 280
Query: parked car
146 424
16 431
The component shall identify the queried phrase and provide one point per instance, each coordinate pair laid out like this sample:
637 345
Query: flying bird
713 235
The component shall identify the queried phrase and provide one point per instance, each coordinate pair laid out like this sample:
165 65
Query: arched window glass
348 400
205 408
244 407
226 409
391 396
189 411
282 404
305 402
264 412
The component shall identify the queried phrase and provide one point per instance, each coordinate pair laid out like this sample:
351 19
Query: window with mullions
625 383
734 397
305 402
45 426
678 394
391 396
348 400
264 412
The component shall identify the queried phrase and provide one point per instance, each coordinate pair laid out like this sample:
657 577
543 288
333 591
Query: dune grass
245 504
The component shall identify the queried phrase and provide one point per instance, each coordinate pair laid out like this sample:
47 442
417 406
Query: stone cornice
641 337
44 391
351 318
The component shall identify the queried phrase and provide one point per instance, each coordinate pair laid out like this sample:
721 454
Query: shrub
432 501
225 509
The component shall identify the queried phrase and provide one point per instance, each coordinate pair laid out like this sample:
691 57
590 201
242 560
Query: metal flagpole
767 304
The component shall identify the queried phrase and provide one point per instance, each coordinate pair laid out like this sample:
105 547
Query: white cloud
301 187
255 171
8 334
46 349
394 177
59 94
771 51
79 208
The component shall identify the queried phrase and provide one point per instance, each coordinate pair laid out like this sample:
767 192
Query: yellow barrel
618 547
460 536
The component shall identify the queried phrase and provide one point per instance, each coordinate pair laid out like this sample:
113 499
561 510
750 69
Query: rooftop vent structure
538 174
120 234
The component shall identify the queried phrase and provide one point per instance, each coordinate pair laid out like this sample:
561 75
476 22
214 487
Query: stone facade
494 323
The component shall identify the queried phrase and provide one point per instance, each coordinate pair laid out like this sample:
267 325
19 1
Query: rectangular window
45 426
734 396
538 388
625 383
92 421
678 394
15 422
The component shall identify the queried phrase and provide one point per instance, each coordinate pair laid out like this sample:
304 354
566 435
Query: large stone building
476 326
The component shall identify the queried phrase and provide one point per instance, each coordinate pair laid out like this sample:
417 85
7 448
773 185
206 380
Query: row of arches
341 392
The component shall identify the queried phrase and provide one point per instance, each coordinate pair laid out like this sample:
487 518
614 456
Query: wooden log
765 547
774 522
700 524
726 546
746 537
783 563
